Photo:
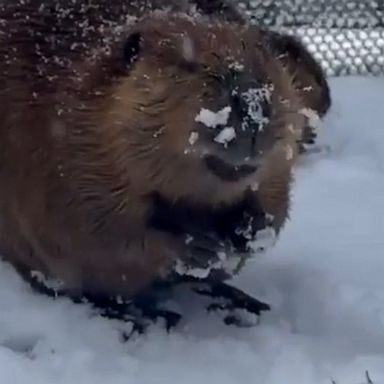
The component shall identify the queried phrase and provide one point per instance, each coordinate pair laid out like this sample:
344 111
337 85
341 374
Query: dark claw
140 311
202 250
237 299
234 300
171 318
147 306
205 242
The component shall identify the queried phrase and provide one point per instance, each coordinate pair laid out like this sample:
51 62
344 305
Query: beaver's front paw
208 257
239 308
256 232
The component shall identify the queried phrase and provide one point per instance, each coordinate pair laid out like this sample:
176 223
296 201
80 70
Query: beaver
126 142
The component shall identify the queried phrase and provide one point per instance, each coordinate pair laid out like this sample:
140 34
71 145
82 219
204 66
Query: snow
254 98
193 137
289 152
213 119
265 239
223 263
323 279
225 136
312 116
236 66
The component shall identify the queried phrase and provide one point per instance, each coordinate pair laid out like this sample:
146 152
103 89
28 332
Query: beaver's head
199 113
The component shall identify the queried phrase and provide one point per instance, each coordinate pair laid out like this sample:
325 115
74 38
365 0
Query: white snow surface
324 280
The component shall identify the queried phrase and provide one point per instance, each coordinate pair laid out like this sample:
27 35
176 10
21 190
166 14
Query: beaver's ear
131 48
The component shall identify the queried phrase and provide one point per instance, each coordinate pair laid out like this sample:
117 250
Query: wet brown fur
307 74
86 138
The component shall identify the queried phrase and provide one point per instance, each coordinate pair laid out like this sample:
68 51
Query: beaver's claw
233 301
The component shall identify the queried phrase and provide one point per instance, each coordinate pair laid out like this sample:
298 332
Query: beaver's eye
216 76
132 48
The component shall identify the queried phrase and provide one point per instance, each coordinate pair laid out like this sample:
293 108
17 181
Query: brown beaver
123 141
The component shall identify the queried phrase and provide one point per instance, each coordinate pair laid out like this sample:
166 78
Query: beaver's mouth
228 172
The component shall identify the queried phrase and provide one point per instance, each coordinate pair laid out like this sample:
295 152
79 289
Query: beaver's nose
250 106
227 171
250 113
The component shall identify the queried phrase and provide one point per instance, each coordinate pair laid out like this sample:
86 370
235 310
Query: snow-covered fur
101 141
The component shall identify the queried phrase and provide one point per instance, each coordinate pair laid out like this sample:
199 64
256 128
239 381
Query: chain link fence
345 36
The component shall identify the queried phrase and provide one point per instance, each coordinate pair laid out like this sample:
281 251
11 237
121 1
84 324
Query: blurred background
346 36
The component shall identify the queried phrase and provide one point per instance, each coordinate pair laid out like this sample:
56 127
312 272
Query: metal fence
346 36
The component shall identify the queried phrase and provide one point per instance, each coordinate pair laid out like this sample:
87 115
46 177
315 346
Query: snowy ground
324 280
